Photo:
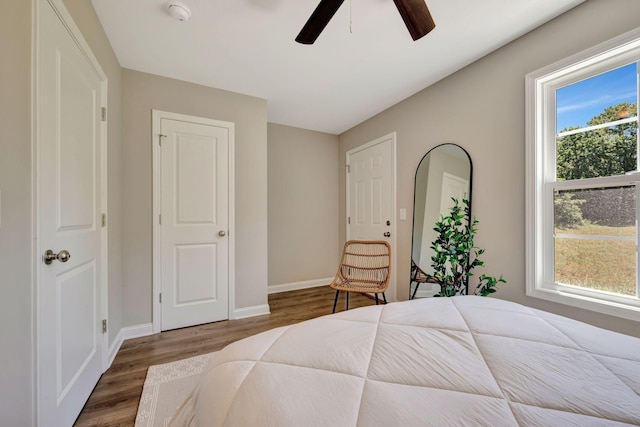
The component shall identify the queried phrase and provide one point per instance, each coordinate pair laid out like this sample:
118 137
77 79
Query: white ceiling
247 46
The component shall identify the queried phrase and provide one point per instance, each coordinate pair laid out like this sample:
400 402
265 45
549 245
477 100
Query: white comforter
429 362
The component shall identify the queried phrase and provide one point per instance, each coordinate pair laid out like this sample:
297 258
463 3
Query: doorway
371 201
453 187
193 254
70 227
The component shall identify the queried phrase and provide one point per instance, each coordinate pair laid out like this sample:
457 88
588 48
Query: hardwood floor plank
114 401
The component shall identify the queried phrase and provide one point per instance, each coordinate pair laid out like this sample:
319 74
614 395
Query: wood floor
114 401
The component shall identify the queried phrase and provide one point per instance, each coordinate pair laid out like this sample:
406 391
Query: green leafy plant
455 254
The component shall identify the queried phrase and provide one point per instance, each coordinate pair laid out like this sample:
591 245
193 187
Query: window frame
540 170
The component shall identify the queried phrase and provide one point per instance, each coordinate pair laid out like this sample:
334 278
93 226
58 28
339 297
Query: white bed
429 362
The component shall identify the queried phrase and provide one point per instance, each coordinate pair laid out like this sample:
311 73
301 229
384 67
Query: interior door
452 187
69 287
370 180
371 196
194 222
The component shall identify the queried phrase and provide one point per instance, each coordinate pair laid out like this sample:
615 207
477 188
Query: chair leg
415 290
384 298
335 301
376 299
347 305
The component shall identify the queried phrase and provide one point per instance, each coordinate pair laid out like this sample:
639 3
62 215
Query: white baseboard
127 333
114 348
137 331
284 287
256 310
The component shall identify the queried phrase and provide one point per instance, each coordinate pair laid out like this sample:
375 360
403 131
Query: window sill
616 309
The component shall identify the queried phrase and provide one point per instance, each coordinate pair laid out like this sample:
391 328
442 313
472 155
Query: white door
194 229
69 199
452 187
371 195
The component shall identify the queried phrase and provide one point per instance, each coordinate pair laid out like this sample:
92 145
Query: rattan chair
365 267
419 276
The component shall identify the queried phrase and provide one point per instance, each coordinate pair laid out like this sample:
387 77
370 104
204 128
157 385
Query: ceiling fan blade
416 17
318 20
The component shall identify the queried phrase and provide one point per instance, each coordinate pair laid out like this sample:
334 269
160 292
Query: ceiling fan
414 13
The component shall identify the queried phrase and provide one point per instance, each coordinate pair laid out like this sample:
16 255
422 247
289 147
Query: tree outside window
582 179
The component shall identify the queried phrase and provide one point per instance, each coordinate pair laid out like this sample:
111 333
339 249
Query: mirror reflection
443 173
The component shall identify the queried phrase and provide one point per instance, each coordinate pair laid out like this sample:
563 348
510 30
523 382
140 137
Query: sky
580 102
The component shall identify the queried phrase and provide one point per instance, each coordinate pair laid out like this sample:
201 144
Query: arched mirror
443 173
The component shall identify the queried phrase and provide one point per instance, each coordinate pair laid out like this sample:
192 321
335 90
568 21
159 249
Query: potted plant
455 254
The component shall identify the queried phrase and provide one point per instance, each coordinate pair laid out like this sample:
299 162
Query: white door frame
156 119
37 249
393 238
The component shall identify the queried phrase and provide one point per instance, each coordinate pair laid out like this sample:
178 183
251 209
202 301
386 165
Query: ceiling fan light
179 11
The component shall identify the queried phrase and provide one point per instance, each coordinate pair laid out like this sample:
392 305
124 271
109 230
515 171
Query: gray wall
489 94
481 108
303 204
16 374
143 92
17 334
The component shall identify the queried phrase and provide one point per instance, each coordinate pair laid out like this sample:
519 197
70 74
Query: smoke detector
179 11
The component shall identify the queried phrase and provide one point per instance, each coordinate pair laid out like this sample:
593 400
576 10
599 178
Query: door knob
222 233
49 256
387 234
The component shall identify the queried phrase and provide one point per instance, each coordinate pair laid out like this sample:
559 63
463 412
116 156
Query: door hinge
104 326
160 136
348 168
348 220
160 219
104 220
104 114
160 298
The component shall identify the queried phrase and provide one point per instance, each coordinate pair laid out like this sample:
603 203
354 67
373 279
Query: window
583 179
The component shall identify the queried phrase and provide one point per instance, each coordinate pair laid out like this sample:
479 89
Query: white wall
482 108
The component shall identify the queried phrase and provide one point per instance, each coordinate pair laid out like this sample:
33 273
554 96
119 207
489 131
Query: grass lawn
606 265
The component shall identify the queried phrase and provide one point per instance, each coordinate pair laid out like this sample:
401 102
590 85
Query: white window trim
540 88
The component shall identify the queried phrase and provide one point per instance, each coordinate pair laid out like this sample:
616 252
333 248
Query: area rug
166 387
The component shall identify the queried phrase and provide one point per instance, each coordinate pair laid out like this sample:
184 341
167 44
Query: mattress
430 362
